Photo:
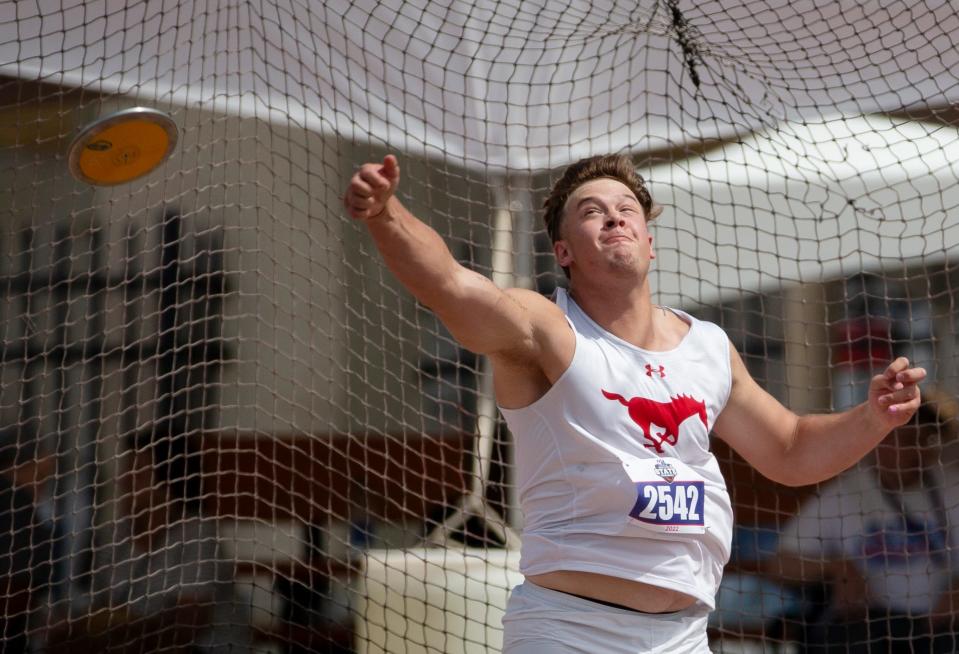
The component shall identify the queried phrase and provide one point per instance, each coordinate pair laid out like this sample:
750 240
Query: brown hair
613 166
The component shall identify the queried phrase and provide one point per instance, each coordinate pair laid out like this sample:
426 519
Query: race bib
670 497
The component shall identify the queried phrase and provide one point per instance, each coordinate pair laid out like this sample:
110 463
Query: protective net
225 425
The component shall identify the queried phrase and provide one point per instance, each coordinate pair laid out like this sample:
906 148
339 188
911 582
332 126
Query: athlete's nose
615 221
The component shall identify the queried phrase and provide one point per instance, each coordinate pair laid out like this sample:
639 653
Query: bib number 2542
675 507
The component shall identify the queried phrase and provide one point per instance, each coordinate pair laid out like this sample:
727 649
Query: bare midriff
632 594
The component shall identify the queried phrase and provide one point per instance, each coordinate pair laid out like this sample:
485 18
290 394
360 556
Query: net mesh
226 425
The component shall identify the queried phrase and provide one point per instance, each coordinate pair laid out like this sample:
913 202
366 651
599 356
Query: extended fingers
911 376
896 367
902 400
905 378
903 396
897 388
906 407
898 374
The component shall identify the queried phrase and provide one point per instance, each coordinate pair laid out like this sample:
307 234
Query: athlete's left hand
894 394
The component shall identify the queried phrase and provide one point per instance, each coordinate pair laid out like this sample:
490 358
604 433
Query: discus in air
122 146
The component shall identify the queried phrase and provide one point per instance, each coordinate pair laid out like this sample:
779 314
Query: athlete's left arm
799 450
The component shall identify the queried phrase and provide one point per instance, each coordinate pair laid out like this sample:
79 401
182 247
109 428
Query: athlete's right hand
370 189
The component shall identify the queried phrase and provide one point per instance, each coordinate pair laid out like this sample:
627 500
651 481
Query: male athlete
611 400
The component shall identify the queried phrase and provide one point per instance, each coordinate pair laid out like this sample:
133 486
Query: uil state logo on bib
665 470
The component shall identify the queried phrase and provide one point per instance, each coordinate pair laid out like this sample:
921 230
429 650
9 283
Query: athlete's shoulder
552 340
701 327
692 319
527 295
539 306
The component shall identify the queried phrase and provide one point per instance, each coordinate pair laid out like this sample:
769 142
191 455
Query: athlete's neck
629 313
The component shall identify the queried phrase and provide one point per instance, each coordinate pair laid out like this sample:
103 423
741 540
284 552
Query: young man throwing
611 400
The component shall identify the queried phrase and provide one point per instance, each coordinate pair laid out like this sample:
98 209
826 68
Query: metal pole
474 502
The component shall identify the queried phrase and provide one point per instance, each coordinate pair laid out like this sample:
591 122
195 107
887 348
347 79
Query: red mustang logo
668 415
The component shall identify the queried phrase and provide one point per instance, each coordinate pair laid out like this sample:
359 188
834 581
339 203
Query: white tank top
613 465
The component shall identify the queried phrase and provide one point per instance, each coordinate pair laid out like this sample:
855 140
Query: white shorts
543 621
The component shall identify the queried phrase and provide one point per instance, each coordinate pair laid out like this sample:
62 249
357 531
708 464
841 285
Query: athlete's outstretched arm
795 450
480 316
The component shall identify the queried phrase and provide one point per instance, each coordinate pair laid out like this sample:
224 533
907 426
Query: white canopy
805 203
519 84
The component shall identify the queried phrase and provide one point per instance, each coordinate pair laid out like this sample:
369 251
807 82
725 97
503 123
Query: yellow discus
122 146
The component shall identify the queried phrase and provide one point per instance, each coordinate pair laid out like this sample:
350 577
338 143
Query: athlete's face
604 229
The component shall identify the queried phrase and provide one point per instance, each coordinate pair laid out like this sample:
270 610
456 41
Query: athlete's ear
563 256
652 252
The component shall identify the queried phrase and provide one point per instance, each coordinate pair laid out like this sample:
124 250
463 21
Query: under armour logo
650 370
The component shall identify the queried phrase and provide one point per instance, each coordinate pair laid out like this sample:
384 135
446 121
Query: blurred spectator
862 342
879 321
885 538
26 536
161 583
